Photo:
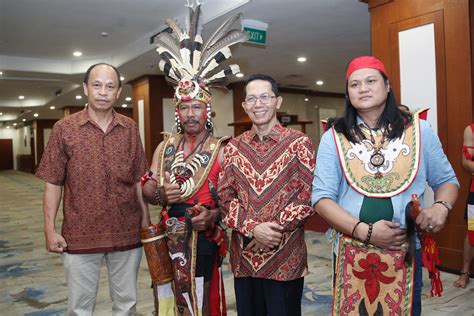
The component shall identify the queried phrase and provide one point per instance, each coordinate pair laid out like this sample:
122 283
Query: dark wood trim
471 27
25 163
40 126
239 113
376 3
152 90
312 93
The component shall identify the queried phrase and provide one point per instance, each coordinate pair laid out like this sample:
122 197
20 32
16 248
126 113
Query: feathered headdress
193 65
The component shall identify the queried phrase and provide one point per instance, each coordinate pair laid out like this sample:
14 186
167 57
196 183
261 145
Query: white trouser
83 274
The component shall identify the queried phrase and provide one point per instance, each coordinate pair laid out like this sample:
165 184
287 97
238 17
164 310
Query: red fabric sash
217 304
430 255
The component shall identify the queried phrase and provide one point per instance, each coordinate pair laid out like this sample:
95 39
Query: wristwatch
445 204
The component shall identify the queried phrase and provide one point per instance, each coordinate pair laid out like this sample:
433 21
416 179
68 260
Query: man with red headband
186 165
370 163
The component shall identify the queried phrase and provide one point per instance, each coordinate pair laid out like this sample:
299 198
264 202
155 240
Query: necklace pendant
377 159
182 172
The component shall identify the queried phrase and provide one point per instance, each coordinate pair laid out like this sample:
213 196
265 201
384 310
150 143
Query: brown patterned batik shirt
268 181
99 172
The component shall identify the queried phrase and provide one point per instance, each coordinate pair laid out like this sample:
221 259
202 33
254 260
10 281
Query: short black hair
88 72
264 78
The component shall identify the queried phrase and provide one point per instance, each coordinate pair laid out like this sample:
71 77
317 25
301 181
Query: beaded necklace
182 172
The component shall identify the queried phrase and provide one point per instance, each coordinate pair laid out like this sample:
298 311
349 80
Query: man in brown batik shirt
97 156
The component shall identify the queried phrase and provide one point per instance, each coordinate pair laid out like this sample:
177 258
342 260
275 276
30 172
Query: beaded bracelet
369 234
354 229
160 198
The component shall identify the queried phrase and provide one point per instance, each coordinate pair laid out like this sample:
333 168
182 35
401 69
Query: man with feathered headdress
185 166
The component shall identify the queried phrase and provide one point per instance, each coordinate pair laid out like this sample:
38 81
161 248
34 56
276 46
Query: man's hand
433 217
268 234
55 242
204 217
385 234
255 246
171 190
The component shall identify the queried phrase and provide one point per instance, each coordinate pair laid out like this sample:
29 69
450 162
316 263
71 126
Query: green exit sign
256 36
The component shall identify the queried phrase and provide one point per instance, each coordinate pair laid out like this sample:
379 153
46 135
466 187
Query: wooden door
6 154
454 86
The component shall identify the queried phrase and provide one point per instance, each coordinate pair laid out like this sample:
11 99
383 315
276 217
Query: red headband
364 62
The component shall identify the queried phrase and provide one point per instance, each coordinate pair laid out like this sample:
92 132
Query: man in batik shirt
96 157
265 190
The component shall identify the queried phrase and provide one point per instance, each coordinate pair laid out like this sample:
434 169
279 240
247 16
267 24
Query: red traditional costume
193 66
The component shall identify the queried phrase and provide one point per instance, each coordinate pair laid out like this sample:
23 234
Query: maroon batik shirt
268 181
99 172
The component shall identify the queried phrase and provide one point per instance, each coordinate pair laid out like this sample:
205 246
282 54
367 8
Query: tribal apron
186 296
370 280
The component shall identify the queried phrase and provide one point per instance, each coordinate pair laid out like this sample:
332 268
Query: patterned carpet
32 280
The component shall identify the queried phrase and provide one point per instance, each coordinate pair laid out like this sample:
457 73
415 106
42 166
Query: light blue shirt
329 181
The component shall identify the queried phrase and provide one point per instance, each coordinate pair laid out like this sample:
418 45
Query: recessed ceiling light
14 124
239 75
124 105
78 97
104 34
306 99
319 82
35 115
24 120
52 107
1 73
21 97
301 59
8 126
128 99
77 54
122 78
1 113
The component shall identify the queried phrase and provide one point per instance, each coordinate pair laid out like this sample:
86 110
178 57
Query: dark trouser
417 284
260 297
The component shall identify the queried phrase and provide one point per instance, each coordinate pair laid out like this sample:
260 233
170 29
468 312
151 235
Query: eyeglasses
264 99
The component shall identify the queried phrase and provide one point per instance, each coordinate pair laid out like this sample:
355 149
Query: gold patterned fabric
401 157
371 281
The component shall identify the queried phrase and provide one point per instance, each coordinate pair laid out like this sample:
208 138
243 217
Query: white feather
221 74
197 54
185 57
212 64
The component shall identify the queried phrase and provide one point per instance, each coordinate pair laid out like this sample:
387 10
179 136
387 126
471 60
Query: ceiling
37 39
